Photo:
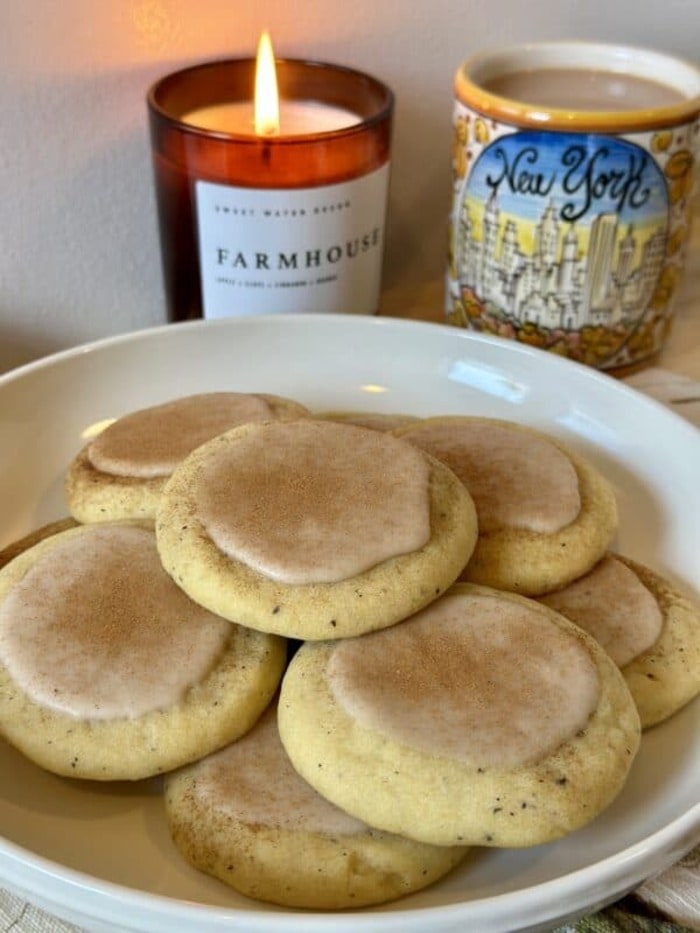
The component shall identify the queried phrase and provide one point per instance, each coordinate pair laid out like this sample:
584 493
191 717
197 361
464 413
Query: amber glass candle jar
270 224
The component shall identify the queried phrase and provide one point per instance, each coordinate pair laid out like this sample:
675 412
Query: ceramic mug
573 172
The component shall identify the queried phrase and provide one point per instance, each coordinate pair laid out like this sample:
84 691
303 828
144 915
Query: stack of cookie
472 665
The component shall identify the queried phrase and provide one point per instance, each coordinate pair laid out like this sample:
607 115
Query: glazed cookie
649 629
313 529
546 515
108 671
245 816
121 473
380 421
486 719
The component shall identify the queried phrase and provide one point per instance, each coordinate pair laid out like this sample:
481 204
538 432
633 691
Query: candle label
294 249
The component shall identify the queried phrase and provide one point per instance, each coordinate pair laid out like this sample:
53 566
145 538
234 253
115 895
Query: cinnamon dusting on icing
478 678
612 604
96 628
151 442
253 780
516 478
314 502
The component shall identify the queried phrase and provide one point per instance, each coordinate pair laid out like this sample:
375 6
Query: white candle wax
297 118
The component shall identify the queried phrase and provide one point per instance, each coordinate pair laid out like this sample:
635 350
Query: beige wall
78 239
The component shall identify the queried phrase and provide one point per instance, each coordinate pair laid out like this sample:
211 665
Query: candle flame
267 107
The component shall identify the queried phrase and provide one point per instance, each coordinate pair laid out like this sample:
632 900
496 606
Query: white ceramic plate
101 856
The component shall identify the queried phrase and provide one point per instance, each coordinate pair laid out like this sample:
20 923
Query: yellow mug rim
608 57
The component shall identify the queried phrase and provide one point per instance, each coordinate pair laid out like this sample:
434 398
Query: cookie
121 473
649 629
312 529
245 816
485 719
546 515
108 671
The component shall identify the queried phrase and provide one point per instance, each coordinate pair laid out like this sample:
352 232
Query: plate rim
287 920
598 377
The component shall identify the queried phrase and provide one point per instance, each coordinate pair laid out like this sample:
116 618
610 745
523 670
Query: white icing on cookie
612 604
476 678
254 781
516 478
151 442
314 502
97 629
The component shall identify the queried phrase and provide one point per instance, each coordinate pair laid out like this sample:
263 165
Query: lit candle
297 118
266 115
233 156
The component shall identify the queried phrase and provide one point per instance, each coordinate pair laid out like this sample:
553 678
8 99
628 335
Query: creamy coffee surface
151 442
96 629
583 89
314 502
254 781
476 678
517 479
614 606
